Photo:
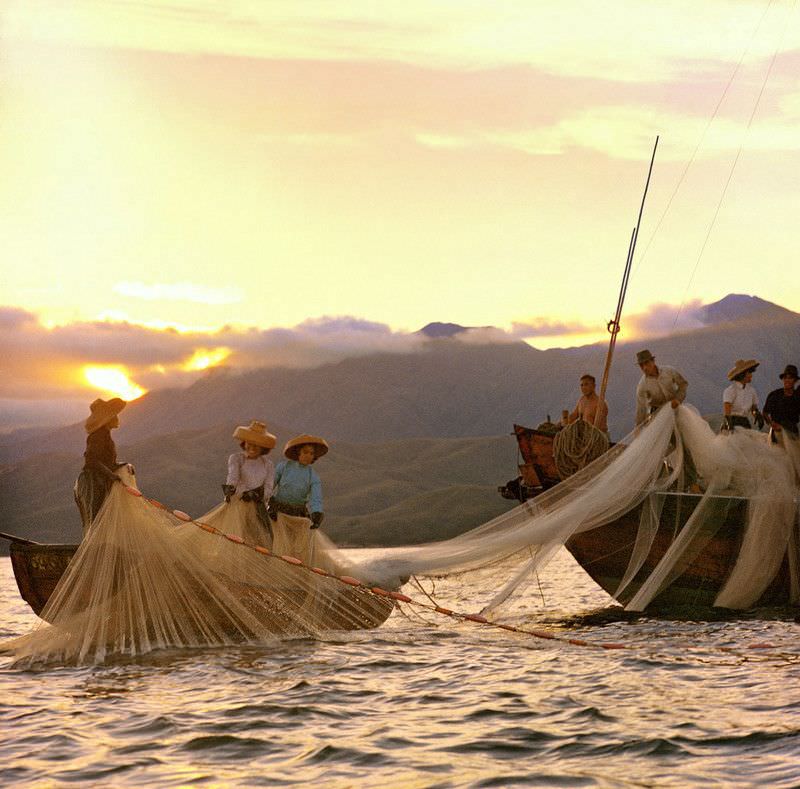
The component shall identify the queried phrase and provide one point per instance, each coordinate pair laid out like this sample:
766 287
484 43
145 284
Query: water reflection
424 704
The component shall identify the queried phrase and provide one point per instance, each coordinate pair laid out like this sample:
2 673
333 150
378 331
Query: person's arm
641 403
575 415
232 480
269 479
767 412
315 497
601 416
727 400
681 385
234 470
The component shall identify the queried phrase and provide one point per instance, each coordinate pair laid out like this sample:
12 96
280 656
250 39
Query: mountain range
410 415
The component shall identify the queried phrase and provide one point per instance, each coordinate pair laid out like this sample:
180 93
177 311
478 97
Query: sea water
425 701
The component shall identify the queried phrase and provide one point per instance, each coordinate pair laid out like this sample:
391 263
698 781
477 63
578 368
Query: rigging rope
733 166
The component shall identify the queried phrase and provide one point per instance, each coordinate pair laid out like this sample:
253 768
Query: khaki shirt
654 392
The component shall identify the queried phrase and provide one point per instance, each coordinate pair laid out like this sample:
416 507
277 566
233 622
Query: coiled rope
577 445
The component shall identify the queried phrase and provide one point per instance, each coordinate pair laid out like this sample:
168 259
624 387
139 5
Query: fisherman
100 459
658 385
251 473
740 399
782 408
590 407
296 503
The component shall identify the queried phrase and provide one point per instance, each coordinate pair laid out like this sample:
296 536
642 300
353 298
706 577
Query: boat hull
38 569
604 554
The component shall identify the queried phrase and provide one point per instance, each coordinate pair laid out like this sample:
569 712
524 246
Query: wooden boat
604 554
38 568
538 471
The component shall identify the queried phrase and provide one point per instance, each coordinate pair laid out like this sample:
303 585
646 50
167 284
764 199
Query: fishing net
146 578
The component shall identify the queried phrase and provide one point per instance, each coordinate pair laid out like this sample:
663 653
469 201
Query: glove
272 510
228 491
316 519
726 424
758 418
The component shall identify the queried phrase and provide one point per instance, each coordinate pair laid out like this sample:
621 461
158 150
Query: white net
145 578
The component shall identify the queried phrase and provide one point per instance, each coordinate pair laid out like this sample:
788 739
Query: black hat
790 370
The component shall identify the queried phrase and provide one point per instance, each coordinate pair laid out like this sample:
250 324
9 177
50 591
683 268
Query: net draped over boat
144 579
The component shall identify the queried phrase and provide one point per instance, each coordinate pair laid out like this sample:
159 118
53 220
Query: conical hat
103 411
742 366
292 448
255 433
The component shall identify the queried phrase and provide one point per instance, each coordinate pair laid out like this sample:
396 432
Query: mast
613 325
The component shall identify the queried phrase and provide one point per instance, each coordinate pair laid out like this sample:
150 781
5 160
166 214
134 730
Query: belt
295 510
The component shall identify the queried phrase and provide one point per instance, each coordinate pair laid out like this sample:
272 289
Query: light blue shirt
298 484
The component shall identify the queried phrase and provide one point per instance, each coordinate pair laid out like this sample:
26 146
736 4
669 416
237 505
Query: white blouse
248 473
742 397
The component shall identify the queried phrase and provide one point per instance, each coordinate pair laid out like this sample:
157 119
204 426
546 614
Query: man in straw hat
657 386
296 503
250 472
100 459
782 408
740 399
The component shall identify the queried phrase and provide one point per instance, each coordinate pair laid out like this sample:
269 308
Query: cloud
661 319
15 318
633 42
627 132
543 327
179 291
42 362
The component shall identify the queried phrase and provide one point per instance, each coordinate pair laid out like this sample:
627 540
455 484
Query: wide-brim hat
644 356
742 366
102 412
790 369
256 433
292 448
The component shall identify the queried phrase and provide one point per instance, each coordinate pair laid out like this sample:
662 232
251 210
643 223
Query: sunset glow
202 359
112 380
188 189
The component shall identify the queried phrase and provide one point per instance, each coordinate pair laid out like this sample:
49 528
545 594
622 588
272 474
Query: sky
189 183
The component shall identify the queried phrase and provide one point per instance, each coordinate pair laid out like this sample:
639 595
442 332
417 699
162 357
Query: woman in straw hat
251 472
740 399
296 503
100 459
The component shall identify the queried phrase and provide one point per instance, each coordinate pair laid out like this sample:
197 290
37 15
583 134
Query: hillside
384 493
449 389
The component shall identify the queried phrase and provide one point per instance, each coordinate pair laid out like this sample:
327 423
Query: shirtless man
590 407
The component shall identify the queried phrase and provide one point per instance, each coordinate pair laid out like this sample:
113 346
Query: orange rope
401 598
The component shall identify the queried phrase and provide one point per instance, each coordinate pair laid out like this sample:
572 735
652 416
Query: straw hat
742 366
789 370
255 433
292 448
102 412
644 356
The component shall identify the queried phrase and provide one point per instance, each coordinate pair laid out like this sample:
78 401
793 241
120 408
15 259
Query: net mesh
145 578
